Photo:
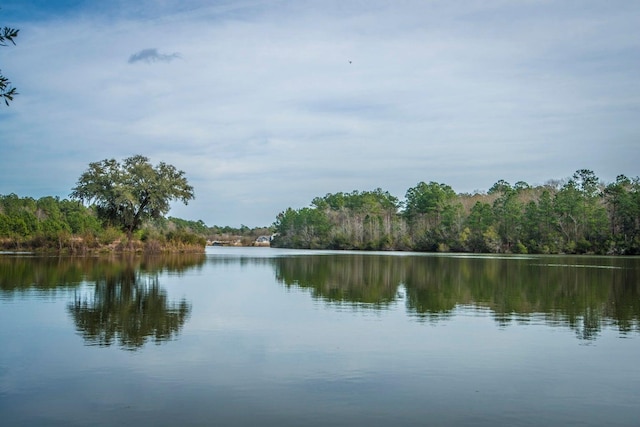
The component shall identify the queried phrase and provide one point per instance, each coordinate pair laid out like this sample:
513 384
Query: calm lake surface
259 336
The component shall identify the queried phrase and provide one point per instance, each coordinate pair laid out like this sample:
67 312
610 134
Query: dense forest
580 215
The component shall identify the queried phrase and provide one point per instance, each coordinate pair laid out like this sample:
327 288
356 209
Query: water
259 336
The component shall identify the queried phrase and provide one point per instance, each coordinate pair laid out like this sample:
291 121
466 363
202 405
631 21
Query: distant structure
262 241
234 242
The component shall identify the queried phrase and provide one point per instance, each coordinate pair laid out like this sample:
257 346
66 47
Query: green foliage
109 235
479 220
427 201
304 228
520 248
360 219
66 225
125 195
623 210
508 211
6 91
186 238
433 215
80 219
197 227
500 187
19 219
580 216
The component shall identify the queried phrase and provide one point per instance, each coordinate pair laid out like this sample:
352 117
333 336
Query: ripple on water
608 267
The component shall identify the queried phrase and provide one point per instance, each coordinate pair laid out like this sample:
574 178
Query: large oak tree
127 194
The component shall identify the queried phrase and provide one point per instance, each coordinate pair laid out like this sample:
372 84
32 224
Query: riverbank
87 245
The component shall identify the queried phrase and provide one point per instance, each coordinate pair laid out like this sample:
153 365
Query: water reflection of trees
128 308
580 293
126 305
357 280
48 273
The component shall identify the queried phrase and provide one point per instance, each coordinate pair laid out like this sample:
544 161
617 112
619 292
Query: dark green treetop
6 91
127 194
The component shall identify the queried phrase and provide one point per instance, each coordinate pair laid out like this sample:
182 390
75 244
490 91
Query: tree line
580 215
51 223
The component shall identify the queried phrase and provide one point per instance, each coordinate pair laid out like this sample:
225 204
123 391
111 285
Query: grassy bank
110 241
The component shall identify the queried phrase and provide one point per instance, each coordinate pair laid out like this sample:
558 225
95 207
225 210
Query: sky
267 104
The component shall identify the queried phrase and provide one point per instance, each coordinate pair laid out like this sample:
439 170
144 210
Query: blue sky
268 104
